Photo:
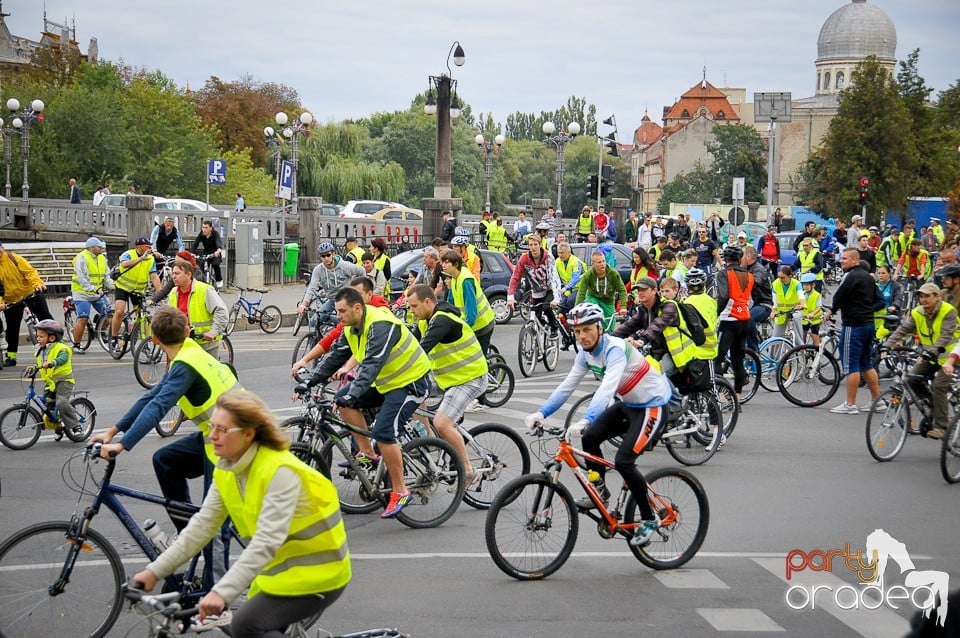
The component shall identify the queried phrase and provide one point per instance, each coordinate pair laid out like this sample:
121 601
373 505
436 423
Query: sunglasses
326 255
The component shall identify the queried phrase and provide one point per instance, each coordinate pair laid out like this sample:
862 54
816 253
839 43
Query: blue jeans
83 307
758 314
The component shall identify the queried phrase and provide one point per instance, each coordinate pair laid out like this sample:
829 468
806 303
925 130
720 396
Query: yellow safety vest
929 335
60 373
497 238
357 253
380 263
199 318
808 261
220 379
457 362
485 314
707 307
405 364
96 269
314 557
135 279
679 344
655 252
637 275
905 241
938 234
585 225
565 270
787 299
812 310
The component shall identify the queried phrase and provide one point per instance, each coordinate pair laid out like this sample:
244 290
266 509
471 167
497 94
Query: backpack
691 316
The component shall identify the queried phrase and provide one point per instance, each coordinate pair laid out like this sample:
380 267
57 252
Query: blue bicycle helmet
808 278
325 247
460 240
463 232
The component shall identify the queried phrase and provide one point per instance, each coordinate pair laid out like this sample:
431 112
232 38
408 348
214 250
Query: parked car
366 207
398 214
119 200
183 204
330 210
494 277
624 255
787 254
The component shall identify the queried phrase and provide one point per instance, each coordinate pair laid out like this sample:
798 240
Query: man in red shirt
769 249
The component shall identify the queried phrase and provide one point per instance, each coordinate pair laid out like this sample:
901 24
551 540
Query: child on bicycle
630 402
55 365
812 308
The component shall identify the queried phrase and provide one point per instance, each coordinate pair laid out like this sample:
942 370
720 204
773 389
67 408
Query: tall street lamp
442 101
292 132
490 148
560 140
20 124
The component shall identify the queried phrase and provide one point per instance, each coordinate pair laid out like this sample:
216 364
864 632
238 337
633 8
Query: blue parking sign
217 171
285 180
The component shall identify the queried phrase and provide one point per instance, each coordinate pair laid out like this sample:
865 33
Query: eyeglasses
222 431
326 255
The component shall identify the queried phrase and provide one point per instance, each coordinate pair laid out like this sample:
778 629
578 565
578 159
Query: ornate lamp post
442 101
560 140
490 148
292 132
20 124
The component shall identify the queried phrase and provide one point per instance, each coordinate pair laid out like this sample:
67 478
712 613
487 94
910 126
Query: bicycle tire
729 404
104 331
527 349
311 457
170 423
523 305
26 606
434 474
770 353
519 520
751 364
675 543
270 319
500 384
551 351
69 321
500 455
950 452
353 496
304 345
225 351
298 322
149 364
88 420
795 378
703 416
124 339
232 320
20 419
301 423
886 431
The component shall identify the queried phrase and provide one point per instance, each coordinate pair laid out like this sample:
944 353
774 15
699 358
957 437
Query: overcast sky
351 59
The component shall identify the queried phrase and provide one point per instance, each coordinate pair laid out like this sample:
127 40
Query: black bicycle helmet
695 277
732 254
51 326
950 270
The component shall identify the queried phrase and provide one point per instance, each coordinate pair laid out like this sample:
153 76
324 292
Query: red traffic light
864 182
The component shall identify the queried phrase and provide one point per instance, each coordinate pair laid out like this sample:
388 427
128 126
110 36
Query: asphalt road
789 479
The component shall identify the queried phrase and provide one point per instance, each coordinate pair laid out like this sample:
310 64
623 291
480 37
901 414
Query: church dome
855 31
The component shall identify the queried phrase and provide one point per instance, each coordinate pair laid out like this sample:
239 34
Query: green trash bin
291 257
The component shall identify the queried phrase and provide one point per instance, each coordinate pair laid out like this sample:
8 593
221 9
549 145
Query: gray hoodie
327 282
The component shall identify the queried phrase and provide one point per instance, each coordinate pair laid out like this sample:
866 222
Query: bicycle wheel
950 452
299 321
500 382
770 353
531 527
887 428
171 422
729 405
270 319
311 457
354 497
499 454
149 364
32 562
751 365
433 472
680 501
124 338
527 349
305 345
104 331
807 377
225 352
87 414
694 437
20 426
551 351
523 305
232 319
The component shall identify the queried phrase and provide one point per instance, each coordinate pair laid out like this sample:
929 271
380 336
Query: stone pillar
443 184
752 211
618 206
539 208
433 214
140 215
309 223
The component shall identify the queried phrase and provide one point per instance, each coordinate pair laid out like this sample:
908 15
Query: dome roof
857 30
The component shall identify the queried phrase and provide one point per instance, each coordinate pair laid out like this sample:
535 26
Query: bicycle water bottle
593 476
418 426
156 535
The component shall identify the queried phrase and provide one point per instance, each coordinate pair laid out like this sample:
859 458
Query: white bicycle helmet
585 313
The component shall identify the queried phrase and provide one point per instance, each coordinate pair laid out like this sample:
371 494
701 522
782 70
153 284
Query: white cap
741 234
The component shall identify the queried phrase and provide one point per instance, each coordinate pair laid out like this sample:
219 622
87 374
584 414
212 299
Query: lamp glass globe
549 128
281 118
499 140
13 104
306 118
574 128
37 106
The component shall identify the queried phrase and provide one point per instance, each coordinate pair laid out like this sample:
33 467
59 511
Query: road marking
690 579
740 620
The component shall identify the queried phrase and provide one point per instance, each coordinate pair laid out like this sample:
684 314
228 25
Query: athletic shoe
77 349
843 408
586 503
645 532
880 406
936 433
10 362
397 503
369 462
213 621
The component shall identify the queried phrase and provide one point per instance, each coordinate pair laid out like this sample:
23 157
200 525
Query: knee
591 439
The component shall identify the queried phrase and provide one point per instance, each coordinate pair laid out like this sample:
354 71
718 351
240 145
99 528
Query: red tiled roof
699 96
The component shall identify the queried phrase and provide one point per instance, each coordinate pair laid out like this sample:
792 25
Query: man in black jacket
762 294
855 300
449 228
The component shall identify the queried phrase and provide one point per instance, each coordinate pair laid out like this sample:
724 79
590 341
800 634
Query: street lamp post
443 102
20 124
560 140
292 132
490 148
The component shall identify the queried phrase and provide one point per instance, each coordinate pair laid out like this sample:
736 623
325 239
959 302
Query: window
491 264
840 79
721 115
685 114
826 81
393 214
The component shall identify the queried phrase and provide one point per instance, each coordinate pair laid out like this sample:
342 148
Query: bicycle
772 349
809 375
950 452
890 419
204 269
753 369
529 508
134 329
81 569
150 363
267 317
537 343
70 320
21 424
319 323
433 472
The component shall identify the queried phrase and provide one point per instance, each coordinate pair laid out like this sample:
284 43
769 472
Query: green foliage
529 126
738 151
254 183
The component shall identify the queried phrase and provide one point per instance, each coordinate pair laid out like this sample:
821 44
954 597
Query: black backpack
691 316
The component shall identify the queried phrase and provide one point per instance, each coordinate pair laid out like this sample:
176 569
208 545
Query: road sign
285 180
216 171
739 187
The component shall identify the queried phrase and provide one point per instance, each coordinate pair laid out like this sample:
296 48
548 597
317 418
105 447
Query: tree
809 183
528 126
738 151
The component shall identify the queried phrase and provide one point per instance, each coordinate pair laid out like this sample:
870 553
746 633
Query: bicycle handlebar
166 604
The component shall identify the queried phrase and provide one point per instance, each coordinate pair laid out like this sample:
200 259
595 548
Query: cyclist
890 291
569 269
735 292
602 285
137 267
55 364
330 275
373 273
915 262
461 245
630 402
584 224
353 253
643 266
537 266
950 279
812 308
209 244
457 361
20 285
391 375
296 563
707 307
762 294
809 260
673 267
166 235
497 235
936 323
768 246
204 308
543 234
464 292
787 296
90 279
657 321
708 250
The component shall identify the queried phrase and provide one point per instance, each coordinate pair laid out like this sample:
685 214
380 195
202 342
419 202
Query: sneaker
843 408
114 342
397 502
586 503
219 285
212 621
369 462
10 362
936 433
58 434
880 406
645 532
476 406
77 349
913 429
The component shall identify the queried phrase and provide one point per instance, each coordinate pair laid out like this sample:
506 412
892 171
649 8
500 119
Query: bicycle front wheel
751 365
232 320
311 457
887 424
694 437
771 352
808 377
680 501
729 405
270 319
304 345
149 364
104 331
171 422
527 349
551 351
500 382
33 562
531 527
950 453
433 472
20 426
225 352
498 455
87 414
354 497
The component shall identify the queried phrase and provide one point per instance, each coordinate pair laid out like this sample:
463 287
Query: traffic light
592 187
606 186
864 188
